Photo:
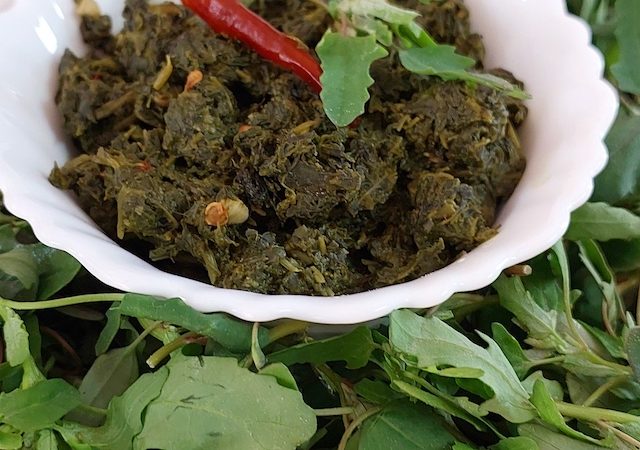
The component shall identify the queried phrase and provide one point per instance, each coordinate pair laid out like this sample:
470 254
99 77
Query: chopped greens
220 166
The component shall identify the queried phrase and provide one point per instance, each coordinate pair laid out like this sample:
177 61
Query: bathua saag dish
219 165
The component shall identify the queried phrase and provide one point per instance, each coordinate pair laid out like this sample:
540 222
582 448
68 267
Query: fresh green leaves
627 70
431 343
226 406
345 79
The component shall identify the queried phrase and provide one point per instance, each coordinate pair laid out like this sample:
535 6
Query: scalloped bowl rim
571 102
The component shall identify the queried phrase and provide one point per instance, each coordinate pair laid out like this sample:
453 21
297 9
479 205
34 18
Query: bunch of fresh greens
548 357
364 31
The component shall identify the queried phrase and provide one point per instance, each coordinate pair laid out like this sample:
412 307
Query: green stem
591 414
286 328
339 411
59 302
333 380
355 424
595 395
93 409
544 362
163 352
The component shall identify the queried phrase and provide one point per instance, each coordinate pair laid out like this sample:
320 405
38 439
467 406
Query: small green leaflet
225 406
602 222
38 406
46 440
108 333
627 69
431 342
10 441
549 413
443 61
16 338
281 373
354 348
511 349
345 79
632 346
110 375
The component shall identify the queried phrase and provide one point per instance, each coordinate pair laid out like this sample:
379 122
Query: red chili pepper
232 18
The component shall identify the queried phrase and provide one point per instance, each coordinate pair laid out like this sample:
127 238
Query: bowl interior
570 112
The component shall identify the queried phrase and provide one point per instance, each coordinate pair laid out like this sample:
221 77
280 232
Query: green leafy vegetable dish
290 147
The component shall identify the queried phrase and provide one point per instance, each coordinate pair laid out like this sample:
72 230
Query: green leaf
375 391
627 70
233 334
46 440
542 284
345 76
281 373
443 61
632 346
549 413
354 348
109 375
431 342
539 324
10 441
550 440
18 274
56 269
511 349
613 344
620 179
602 222
553 387
225 406
374 27
16 338
405 425
108 333
259 360
7 237
516 443
125 413
38 406
594 260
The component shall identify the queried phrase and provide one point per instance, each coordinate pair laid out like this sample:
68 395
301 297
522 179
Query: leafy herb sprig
364 32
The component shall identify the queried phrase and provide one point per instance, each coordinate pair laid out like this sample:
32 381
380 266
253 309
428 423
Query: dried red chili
233 19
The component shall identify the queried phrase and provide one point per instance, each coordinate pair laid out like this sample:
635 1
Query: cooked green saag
196 151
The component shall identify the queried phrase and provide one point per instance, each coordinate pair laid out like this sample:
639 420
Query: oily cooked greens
193 145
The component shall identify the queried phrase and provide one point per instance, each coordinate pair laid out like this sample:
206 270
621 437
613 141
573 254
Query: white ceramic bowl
570 113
